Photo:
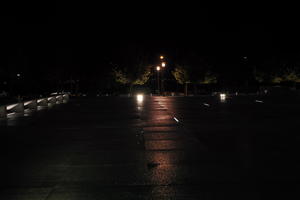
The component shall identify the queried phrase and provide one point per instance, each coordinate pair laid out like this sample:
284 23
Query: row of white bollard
32 104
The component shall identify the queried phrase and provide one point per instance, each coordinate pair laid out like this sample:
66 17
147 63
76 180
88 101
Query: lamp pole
158 88
163 65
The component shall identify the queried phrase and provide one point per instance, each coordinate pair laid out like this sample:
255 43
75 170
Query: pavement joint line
176 119
181 125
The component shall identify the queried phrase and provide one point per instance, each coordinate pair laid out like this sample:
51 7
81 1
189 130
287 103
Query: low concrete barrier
59 99
15 108
66 98
42 102
32 104
52 100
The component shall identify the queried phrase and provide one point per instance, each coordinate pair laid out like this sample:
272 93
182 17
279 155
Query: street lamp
161 57
140 98
158 69
223 97
163 64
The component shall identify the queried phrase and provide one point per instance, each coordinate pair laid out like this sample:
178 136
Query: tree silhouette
182 76
138 75
209 78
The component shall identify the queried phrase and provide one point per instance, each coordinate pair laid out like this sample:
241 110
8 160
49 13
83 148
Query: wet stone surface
119 148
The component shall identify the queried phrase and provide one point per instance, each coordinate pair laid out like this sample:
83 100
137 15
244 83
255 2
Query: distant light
223 97
258 101
206 104
18 75
163 64
161 57
140 98
245 57
158 68
176 119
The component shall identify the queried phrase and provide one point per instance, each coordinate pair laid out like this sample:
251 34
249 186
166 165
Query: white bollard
42 102
66 98
31 104
59 99
3 112
17 108
52 100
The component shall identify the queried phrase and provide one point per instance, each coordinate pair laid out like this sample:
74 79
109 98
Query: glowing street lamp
158 87
163 64
161 57
223 97
140 98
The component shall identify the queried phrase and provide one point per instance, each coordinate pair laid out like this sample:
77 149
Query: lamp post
163 64
158 69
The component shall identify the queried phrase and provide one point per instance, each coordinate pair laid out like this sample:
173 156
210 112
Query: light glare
223 97
140 98
176 119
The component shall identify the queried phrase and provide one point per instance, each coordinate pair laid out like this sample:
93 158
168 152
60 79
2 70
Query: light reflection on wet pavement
120 148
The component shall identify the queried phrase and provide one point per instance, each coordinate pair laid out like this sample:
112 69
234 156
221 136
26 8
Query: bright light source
163 64
176 119
161 57
18 75
223 97
140 98
158 68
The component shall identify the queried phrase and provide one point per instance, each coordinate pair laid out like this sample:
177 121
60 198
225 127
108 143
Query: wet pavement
160 148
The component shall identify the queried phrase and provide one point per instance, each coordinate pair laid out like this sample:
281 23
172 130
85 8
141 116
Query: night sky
76 35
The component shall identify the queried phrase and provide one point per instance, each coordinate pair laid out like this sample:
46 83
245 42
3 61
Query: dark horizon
81 41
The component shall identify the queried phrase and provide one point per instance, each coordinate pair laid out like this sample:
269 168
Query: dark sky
80 33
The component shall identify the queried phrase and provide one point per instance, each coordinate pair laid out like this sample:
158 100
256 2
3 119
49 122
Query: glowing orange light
158 68
163 64
161 57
